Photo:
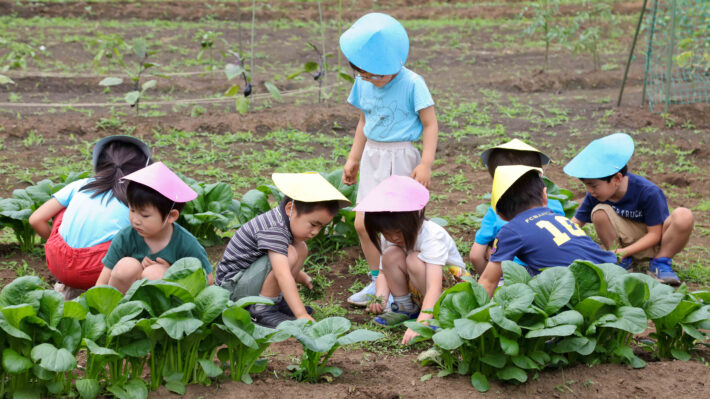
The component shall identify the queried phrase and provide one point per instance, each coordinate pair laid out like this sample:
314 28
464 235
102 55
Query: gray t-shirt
269 231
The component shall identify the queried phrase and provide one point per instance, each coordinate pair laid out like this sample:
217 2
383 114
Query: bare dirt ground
570 84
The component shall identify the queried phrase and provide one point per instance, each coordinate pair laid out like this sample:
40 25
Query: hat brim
602 157
514 145
308 187
395 194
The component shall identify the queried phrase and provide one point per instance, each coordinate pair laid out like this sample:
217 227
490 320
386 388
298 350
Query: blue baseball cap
602 157
376 43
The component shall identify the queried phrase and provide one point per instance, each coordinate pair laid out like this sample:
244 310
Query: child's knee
127 269
683 218
393 256
600 216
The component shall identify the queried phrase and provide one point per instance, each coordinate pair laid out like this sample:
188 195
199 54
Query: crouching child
265 256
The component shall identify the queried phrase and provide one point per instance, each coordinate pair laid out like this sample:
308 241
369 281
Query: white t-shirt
435 246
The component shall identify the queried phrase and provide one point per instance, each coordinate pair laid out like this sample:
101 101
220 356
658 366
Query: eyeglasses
368 76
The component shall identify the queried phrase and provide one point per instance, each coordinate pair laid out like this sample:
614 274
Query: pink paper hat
395 194
161 179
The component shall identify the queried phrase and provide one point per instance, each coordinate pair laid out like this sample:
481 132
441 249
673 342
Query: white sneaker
68 293
364 296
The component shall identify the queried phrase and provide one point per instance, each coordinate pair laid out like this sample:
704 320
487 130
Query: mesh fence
678 54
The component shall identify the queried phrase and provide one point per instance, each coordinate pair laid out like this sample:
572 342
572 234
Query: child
514 152
396 109
535 234
153 241
416 253
87 214
266 255
628 209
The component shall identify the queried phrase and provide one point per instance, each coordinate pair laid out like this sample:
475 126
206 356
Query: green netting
678 54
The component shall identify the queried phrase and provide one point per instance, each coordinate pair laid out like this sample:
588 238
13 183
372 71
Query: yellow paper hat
515 145
308 187
505 177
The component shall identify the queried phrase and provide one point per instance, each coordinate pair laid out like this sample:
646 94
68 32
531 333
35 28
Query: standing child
534 233
514 152
416 253
628 210
266 255
153 241
87 214
396 109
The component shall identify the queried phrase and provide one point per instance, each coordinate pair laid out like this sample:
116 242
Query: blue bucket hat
602 157
376 43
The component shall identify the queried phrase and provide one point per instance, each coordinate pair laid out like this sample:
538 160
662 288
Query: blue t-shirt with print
89 221
643 202
392 112
543 239
491 224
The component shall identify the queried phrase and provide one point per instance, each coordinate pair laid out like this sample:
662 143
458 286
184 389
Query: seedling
232 70
543 13
206 40
140 50
318 70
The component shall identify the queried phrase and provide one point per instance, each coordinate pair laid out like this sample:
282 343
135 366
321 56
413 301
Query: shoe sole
673 283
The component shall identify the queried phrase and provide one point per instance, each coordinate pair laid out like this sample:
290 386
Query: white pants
381 160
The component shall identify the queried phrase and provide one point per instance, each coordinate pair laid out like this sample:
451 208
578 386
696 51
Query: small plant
320 340
543 13
587 28
207 40
17 54
318 69
107 46
135 72
232 70
213 210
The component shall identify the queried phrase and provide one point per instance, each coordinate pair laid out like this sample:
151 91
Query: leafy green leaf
210 302
15 293
53 359
480 382
111 81
447 338
273 90
102 299
88 388
188 273
14 363
553 288
514 298
512 373
515 273
132 97
360 335
6 80
470 329
232 71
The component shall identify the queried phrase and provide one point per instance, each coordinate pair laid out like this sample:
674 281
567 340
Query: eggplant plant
320 340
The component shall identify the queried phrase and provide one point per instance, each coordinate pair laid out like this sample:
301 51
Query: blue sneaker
395 317
662 270
365 295
626 263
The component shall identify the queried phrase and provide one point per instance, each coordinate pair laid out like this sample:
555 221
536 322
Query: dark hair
623 172
140 195
524 194
408 223
307 207
118 159
356 68
503 157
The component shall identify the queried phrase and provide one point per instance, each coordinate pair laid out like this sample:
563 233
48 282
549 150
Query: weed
32 139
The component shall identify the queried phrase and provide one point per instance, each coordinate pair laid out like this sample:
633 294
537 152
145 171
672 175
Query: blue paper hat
602 157
376 43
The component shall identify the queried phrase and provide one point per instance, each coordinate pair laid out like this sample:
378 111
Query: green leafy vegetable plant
320 340
213 211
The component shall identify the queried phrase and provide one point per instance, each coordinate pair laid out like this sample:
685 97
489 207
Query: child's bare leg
394 267
296 257
479 257
676 232
125 272
605 230
154 271
416 269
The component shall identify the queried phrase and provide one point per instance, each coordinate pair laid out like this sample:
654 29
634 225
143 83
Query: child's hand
305 279
350 171
376 307
422 174
146 262
408 335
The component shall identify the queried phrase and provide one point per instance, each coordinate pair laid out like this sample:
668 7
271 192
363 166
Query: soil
454 74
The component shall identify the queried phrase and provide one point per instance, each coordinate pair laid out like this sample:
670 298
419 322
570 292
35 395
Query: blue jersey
543 239
392 112
643 202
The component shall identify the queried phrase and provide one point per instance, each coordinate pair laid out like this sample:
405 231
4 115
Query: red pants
74 267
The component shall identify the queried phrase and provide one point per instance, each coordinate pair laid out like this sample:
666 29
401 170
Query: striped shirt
269 231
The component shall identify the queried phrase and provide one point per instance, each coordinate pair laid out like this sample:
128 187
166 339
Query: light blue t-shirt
89 221
392 112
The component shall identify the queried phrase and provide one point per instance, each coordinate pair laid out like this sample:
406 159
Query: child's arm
578 222
430 135
39 219
287 284
104 277
353 163
433 292
490 277
652 237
